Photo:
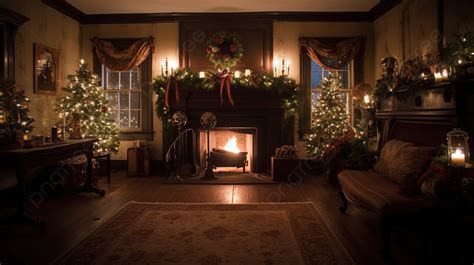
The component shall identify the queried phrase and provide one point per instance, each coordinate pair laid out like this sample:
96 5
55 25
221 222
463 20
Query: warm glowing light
366 99
231 145
458 158
237 74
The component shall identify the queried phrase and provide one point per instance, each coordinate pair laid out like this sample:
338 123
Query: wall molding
69 10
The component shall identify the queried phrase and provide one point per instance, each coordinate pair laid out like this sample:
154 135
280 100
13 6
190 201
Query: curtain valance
333 54
123 60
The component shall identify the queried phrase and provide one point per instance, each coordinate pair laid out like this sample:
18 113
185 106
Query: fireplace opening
232 150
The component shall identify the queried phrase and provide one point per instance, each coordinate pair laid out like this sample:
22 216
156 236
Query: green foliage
356 153
224 49
286 87
85 97
330 119
461 51
14 112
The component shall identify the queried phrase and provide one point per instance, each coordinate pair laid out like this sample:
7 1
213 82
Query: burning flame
231 145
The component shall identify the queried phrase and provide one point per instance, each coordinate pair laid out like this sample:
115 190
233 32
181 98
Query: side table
138 159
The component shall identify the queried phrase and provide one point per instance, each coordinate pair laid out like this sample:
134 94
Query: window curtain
123 60
333 54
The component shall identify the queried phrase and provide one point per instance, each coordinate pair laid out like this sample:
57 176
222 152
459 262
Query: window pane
113 115
135 79
124 80
124 119
134 100
112 97
134 119
112 79
124 100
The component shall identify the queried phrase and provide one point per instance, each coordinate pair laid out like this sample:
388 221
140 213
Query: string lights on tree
330 119
85 97
14 118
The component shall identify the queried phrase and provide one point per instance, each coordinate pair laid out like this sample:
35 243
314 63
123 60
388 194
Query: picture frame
45 69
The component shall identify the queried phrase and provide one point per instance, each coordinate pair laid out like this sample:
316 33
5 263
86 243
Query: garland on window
286 87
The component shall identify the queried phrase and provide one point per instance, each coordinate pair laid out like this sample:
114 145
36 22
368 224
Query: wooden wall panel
256 37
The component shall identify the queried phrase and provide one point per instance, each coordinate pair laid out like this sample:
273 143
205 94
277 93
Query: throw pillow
403 163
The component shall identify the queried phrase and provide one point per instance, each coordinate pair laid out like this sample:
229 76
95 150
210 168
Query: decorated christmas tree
14 119
330 120
86 99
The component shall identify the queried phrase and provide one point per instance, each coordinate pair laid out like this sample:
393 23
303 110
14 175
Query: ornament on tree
82 96
330 119
104 109
14 119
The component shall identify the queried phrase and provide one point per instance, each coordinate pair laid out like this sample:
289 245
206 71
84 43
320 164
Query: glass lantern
458 148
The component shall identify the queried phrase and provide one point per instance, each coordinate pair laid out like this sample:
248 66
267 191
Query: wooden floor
72 217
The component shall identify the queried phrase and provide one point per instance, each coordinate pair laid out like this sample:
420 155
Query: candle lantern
458 148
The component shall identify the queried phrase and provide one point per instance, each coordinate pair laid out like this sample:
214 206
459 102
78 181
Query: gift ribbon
225 80
176 90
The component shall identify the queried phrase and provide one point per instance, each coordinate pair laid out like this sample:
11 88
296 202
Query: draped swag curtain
333 54
123 60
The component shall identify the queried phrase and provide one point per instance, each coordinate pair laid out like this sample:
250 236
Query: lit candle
26 136
458 158
237 74
366 99
444 74
247 72
202 74
438 77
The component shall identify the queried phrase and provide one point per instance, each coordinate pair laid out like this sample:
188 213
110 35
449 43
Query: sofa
406 150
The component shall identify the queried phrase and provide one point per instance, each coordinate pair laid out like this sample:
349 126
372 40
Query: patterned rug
156 233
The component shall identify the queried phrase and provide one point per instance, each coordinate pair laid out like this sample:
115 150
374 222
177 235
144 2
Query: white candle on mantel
438 77
237 74
247 72
202 74
458 159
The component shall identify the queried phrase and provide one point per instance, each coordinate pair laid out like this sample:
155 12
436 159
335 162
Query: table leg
108 168
21 217
88 186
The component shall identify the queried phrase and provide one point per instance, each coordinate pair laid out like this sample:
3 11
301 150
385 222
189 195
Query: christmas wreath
224 49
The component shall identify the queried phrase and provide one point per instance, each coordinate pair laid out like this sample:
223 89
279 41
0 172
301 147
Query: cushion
404 163
378 193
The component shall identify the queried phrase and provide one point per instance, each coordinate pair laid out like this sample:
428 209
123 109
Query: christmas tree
14 119
85 97
330 120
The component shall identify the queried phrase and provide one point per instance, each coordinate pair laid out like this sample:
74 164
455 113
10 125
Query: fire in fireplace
231 151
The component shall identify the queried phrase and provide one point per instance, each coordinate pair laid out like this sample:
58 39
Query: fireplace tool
208 121
179 119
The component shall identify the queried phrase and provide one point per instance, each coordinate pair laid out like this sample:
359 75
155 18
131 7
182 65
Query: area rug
226 178
268 233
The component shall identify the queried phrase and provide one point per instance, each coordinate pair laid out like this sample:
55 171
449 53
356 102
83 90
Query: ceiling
203 6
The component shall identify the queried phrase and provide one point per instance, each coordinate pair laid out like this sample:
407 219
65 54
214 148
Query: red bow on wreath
176 89
225 77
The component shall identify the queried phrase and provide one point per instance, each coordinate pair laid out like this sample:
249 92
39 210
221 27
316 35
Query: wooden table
21 160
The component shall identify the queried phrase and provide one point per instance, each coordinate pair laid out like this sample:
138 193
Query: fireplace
232 149
257 114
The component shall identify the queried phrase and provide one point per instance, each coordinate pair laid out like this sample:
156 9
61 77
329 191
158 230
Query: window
123 90
317 75
130 95
311 76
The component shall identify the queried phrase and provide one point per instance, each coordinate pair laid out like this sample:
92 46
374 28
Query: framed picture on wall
45 69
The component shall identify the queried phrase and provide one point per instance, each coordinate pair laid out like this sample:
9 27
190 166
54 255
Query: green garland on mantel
286 87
